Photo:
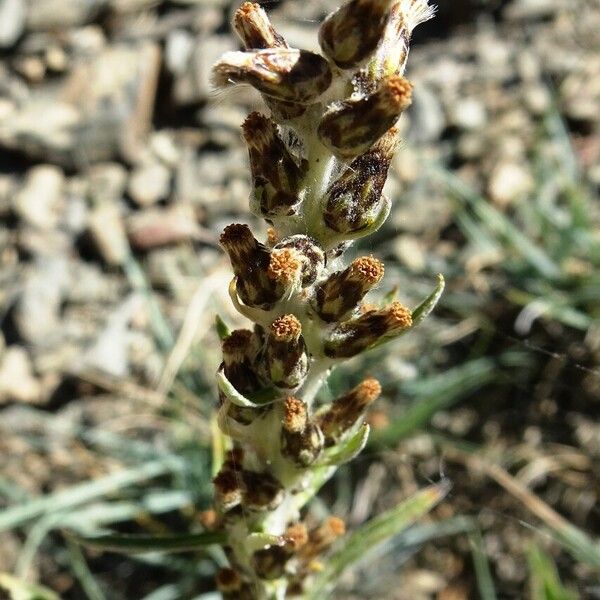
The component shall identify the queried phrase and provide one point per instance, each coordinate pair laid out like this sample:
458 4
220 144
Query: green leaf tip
371 534
425 308
222 329
348 449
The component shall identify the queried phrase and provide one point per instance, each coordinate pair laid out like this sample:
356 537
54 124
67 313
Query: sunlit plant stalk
319 161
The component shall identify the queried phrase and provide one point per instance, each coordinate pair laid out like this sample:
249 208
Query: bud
239 351
350 34
282 73
275 174
252 25
250 262
231 586
322 538
228 581
240 348
301 440
270 563
308 252
370 329
228 490
345 411
353 201
261 491
351 127
342 291
390 57
285 357
256 31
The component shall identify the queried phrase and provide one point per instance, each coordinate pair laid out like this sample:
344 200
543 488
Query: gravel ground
119 167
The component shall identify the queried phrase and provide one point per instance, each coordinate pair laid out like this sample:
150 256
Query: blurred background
119 167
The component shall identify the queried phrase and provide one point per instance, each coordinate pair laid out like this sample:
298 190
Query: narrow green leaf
15 516
446 391
346 450
429 303
389 297
376 531
544 581
21 590
231 393
485 583
498 223
256 399
258 541
222 330
138 544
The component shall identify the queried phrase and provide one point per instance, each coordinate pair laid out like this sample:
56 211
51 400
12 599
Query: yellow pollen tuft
336 526
286 329
284 266
368 390
272 237
208 518
245 10
367 269
399 316
296 535
399 91
294 415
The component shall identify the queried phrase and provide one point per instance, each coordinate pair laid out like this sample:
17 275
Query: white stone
508 182
39 201
17 382
149 183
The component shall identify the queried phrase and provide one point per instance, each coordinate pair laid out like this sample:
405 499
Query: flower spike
353 126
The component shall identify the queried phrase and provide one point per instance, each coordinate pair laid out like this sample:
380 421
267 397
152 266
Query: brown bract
254 28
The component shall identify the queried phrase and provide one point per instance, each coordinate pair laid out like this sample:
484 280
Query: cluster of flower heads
319 162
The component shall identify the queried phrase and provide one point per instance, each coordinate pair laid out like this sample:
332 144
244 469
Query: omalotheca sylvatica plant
319 154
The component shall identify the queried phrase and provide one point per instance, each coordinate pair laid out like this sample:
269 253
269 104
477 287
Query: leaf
139 544
429 303
485 582
231 393
256 399
435 393
13 516
258 541
346 450
544 581
21 590
222 330
376 531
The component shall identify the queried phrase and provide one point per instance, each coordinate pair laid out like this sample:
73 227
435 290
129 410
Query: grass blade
485 582
377 530
17 515
21 590
139 544
449 388
544 581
